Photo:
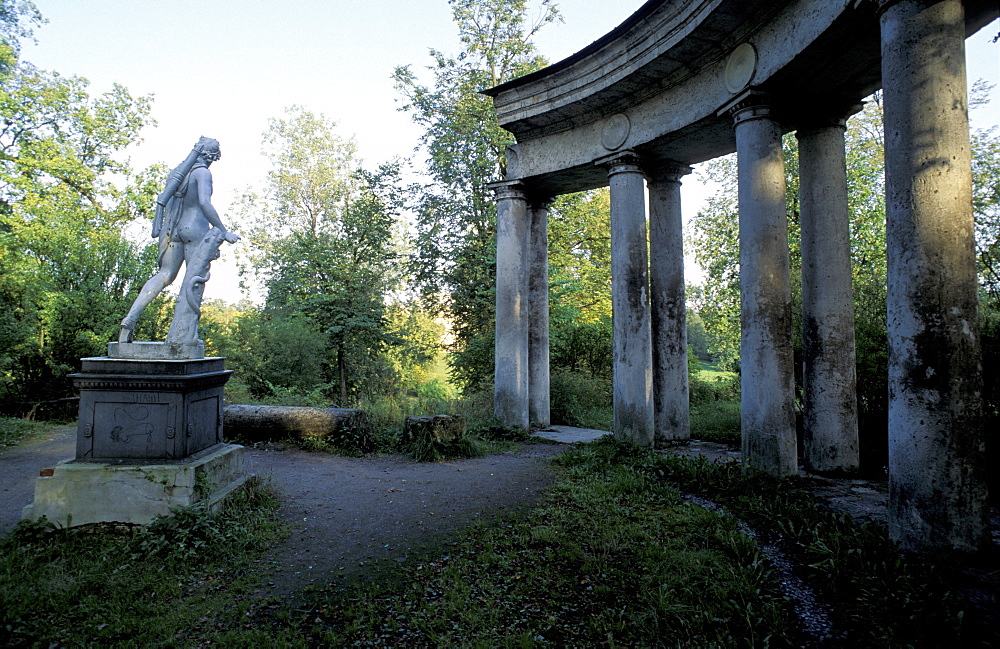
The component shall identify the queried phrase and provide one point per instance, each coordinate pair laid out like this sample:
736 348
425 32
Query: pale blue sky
222 67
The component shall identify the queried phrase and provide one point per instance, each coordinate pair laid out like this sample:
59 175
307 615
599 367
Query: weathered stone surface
510 387
77 493
156 350
767 379
190 232
539 404
830 410
937 486
632 345
269 423
434 428
668 309
148 410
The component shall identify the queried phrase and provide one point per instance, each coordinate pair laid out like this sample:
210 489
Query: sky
221 68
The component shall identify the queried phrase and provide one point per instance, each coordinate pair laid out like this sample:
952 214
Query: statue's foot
125 333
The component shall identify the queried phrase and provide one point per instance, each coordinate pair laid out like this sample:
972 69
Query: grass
13 430
716 421
613 558
880 597
132 586
712 374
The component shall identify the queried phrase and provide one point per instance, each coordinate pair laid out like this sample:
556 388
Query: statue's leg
170 265
184 328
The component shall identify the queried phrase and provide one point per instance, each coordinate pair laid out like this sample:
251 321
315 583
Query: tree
986 198
324 238
67 273
580 282
456 220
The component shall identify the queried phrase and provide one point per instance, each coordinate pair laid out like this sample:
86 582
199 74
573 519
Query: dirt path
19 466
348 514
345 514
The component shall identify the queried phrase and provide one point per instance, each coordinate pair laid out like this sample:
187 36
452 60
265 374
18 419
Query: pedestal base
157 351
78 493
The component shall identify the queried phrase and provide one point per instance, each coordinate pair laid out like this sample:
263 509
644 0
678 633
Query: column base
77 493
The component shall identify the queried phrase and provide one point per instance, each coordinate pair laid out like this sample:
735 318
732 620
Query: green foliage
276 352
581 400
716 421
697 336
580 283
715 404
455 247
423 449
67 273
13 430
16 19
880 598
325 237
111 585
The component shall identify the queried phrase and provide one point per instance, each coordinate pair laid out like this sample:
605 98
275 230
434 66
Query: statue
190 231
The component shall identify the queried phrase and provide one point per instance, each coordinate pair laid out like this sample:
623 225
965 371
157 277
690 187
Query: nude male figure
185 215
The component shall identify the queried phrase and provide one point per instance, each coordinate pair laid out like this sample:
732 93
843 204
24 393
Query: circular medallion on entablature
615 132
740 66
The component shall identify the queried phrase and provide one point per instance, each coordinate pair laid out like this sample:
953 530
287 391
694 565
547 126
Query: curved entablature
661 83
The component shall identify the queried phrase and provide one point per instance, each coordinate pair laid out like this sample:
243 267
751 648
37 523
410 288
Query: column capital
881 6
750 105
820 118
540 202
668 171
621 162
508 189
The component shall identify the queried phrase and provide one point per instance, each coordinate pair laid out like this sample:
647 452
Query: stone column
538 316
766 360
669 309
937 488
632 363
510 388
830 404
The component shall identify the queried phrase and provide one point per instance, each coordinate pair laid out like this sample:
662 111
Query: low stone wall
342 426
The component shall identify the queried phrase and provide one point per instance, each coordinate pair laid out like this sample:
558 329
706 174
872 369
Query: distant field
438 371
709 372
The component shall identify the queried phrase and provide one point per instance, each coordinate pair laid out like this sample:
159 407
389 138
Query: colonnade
937 486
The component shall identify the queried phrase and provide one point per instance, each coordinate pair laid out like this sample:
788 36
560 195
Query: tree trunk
342 372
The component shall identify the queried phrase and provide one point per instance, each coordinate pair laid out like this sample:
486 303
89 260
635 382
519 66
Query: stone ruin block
434 428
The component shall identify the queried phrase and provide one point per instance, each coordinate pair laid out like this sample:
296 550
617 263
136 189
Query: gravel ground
348 515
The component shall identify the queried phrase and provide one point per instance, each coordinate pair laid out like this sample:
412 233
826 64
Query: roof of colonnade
660 82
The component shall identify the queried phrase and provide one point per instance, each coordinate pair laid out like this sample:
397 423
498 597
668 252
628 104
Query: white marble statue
190 232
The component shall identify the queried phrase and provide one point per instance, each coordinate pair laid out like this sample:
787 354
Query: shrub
581 400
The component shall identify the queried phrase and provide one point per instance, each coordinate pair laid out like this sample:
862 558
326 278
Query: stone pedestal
78 493
148 409
149 439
